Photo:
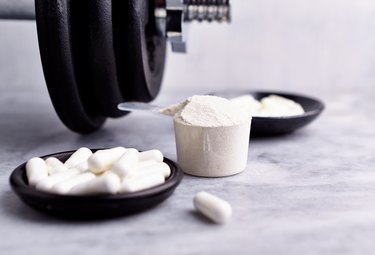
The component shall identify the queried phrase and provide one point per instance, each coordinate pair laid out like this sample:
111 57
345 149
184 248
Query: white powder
212 136
174 108
247 103
207 111
270 106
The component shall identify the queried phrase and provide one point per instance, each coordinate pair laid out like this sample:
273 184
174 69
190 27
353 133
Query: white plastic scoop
140 106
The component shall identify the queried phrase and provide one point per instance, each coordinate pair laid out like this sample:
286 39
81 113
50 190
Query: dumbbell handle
17 9
25 9
170 14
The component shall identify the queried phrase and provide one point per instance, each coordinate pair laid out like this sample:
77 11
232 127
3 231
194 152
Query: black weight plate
139 49
101 63
79 38
54 34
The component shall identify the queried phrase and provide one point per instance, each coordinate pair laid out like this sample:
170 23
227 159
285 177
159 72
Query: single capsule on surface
214 208
55 166
79 156
126 164
155 155
65 186
47 183
142 182
36 170
108 183
103 160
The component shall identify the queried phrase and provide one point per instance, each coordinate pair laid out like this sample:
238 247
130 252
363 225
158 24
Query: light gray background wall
311 46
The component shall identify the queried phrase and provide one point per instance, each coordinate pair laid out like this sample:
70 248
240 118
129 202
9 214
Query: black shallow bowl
92 207
269 126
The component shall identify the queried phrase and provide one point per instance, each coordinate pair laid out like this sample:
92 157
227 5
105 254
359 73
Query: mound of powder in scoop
207 111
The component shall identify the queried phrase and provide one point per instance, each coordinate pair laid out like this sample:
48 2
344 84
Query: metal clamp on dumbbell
98 53
172 14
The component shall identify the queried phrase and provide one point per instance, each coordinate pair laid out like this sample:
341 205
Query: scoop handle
139 106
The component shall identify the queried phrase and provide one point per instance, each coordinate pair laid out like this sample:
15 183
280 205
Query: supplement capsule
55 166
155 155
126 164
36 170
82 167
103 160
146 163
216 209
161 168
65 186
142 182
108 183
47 183
81 155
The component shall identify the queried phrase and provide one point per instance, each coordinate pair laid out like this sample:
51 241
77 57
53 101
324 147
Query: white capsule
161 168
142 182
83 166
36 170
103 160
47 183
126 164
142 164
155 155
55 166
216 209
108 183
65 186
80 155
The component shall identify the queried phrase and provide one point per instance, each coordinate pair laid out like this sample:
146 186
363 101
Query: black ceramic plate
92 207
268 126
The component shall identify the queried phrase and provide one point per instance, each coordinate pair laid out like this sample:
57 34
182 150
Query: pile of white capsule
110 171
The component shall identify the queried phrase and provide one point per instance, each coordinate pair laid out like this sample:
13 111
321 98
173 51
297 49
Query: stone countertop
310 192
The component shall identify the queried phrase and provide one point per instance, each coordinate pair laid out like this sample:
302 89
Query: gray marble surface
310 192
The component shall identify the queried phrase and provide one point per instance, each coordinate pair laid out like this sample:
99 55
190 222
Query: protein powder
270 106
212 136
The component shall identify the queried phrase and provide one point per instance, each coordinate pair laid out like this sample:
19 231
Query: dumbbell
98 53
